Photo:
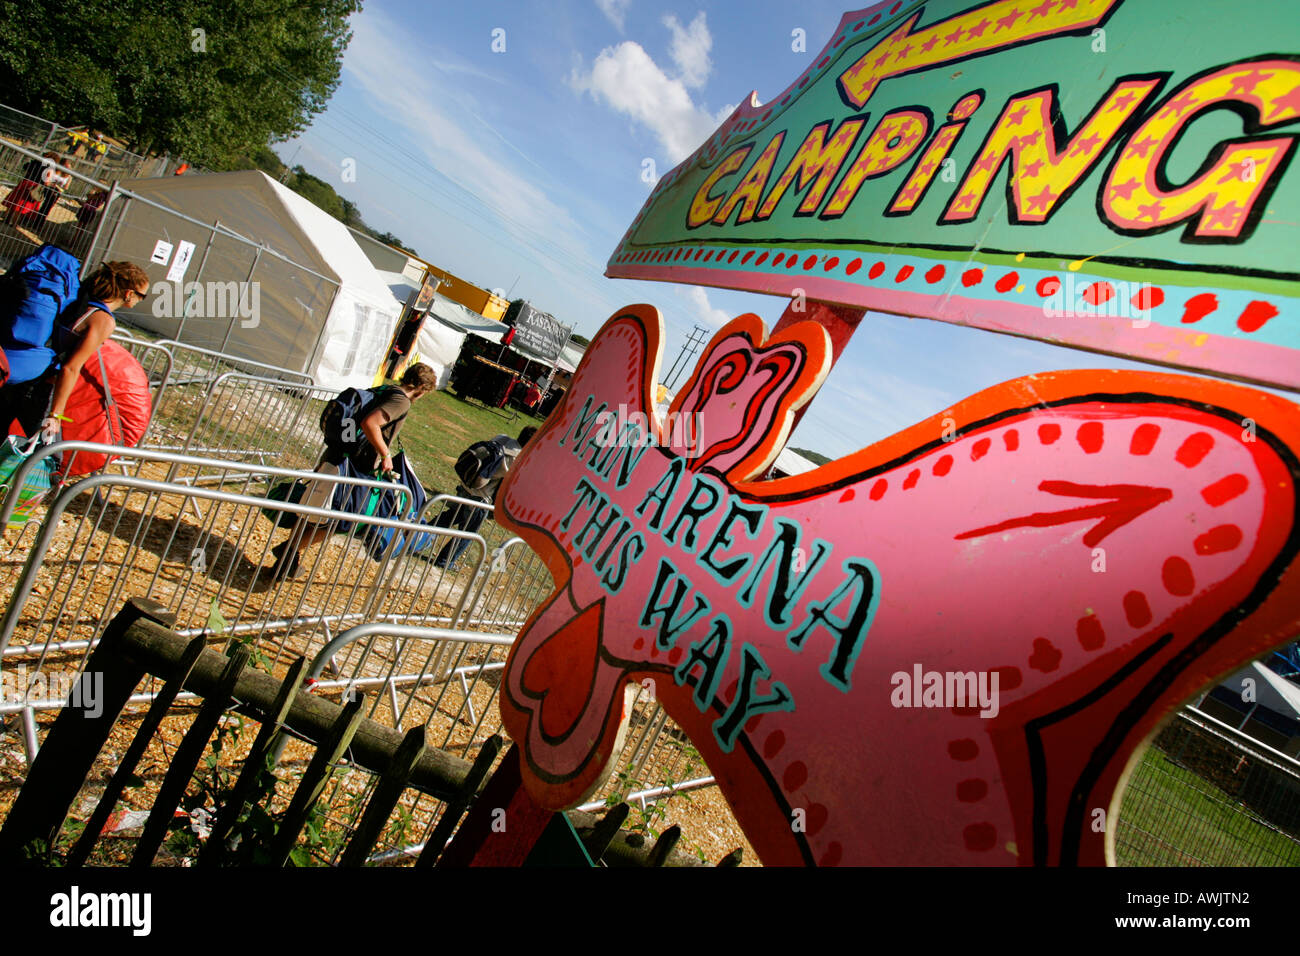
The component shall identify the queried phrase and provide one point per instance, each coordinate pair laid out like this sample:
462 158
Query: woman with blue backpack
47 340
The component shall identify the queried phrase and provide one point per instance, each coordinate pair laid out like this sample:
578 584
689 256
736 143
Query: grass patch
440 426
1173 817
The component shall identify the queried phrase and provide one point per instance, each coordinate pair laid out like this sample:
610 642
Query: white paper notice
184 250
162 251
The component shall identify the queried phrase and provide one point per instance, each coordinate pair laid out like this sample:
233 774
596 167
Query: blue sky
520 167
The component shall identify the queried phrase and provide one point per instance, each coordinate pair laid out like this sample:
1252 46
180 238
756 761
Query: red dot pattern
980 837
1136 609
1176 575
972 791
1090 633
964 749
773 744
1252 318
1091 437
1224 490
1144 439
1098 293
1226 537
1193 451
1046 657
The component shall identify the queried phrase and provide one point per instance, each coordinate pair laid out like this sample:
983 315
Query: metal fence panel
1205 795
228 298
199 550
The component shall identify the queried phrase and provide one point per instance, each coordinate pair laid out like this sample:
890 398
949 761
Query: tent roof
466 320
571 356
400 284
255 206
793 463
1272 690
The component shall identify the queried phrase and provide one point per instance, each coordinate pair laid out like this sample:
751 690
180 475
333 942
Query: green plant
648 819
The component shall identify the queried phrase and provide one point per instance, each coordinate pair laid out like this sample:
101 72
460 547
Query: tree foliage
209 80
816 457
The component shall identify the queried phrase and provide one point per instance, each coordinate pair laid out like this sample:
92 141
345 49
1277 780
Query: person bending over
378 424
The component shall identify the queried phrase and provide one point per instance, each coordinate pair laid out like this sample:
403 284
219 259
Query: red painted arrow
1127 502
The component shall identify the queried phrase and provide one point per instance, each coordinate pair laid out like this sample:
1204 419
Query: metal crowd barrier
203 400
113 536
446 680
1205 794
255 418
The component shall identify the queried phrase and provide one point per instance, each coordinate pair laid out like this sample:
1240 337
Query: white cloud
627 78
690 49
615 11
706 311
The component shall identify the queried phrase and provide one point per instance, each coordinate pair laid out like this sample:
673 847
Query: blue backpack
37 291
340 420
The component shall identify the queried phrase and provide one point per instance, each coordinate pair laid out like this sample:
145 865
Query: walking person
55 182
370 453
25 200
481 468
42 378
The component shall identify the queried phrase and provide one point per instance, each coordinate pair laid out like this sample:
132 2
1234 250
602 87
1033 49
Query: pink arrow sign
913 654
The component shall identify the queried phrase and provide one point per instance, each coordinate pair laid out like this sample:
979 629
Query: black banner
537 332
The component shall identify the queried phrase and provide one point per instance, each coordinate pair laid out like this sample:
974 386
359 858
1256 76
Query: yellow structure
469 295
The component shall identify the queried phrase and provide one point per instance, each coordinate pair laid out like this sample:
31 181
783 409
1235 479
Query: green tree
816 457
264 158
388 239
317 191
209 80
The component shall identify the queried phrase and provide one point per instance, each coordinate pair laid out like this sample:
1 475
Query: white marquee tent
326 311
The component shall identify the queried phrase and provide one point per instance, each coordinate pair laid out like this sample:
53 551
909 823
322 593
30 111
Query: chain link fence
103 159
1205 794
213 302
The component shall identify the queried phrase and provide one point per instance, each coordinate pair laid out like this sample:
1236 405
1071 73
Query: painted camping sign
948 647
1097 173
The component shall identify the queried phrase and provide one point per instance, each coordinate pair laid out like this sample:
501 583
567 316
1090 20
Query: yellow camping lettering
895 138
750 190
816 162
704 205
1137 197
1043 168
